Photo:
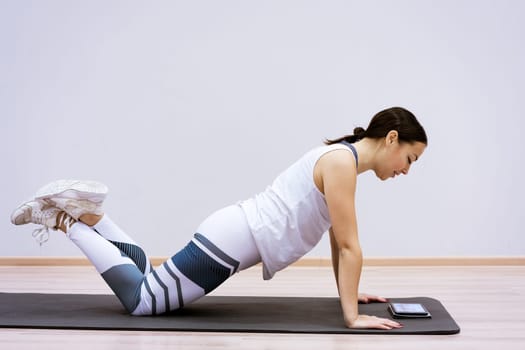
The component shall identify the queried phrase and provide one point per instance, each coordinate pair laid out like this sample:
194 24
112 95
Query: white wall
183 107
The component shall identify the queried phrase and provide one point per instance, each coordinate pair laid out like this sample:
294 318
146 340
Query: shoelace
41 235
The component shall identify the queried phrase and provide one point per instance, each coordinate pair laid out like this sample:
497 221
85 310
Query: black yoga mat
209 314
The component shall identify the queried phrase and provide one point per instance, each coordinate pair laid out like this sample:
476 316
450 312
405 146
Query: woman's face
397 157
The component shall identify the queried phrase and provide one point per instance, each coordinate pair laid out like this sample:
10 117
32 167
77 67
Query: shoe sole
92 191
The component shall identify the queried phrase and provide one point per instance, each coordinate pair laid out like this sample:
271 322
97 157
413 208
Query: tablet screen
402 308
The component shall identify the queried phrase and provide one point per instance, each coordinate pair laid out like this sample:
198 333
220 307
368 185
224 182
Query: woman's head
396 119
398 139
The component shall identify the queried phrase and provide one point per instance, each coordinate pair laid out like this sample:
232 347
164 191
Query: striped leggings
222 246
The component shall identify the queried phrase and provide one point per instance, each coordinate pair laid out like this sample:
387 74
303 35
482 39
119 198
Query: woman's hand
367 298
366 321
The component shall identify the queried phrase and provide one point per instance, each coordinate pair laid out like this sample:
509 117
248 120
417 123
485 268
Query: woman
276 227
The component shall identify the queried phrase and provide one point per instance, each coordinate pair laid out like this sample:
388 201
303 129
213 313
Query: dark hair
395 118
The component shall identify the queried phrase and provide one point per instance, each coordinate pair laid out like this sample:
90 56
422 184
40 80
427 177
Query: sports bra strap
352 148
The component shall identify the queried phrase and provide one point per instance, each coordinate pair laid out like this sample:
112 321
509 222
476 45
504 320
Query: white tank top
290 217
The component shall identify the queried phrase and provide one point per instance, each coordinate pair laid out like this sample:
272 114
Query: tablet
408 310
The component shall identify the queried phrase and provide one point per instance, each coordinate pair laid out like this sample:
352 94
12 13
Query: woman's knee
125 281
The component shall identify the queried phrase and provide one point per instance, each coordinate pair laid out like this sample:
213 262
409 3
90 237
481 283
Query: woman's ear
391 137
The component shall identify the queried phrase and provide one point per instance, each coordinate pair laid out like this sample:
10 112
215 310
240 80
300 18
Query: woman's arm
335 256
338 174
362 297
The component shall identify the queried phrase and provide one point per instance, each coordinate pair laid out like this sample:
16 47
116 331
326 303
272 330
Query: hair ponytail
358 134
395 118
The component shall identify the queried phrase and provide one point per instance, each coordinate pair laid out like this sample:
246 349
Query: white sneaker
36 212
75 197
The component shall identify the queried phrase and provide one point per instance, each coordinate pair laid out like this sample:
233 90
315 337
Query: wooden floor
488 302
